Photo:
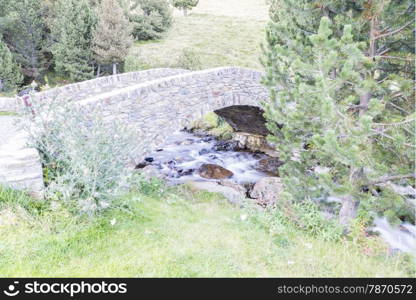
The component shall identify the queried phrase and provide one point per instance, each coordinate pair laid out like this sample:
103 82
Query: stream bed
183 154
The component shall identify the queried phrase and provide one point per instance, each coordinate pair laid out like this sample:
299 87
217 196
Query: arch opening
244 118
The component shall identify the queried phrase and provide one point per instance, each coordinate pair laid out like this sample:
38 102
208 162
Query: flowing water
183 153
401 237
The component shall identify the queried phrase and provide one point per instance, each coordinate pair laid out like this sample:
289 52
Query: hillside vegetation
100 220
179 233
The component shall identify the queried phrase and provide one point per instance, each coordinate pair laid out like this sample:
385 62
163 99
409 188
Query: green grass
181 234
216 40
7 113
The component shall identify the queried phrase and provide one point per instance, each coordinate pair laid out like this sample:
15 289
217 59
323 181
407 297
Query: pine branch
394 124
391 178
394 31
396 57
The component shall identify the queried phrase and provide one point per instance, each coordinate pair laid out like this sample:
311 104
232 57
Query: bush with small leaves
185 5
189 60
85 155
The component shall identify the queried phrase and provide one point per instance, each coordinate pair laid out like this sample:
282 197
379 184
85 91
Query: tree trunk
98 71
114 68
348 210
366 96
185 12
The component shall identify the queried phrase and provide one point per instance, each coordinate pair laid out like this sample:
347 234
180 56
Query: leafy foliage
84 155
10 72
152 20
26 34
112 36
332 97
185 5
73 40
189 59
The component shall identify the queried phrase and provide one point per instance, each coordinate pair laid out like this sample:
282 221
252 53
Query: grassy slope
184 233
221 33
191 235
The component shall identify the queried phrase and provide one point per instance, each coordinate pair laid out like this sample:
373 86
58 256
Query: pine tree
341 107
112 36
72 31
10 72
185 5
26 35
150 19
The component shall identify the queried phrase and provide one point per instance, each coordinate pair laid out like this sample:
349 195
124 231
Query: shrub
136 63
152 19
185 5
189 60
10 72
309 218
83 154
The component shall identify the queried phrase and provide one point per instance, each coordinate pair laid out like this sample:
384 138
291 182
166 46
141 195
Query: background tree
72 32
112 36
150 19
10 71
185 5
26 35
342 109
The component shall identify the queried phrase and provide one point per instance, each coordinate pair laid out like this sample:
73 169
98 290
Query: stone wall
159 107
154 103
20 165
84 89
7 104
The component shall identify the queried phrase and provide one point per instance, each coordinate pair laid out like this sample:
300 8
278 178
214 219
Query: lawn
183 233
218 33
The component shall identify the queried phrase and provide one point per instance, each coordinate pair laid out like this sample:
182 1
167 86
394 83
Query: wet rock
141 165
348 210
203 151
149 159
171 163
187 172
267 190
212 171
269 165
255 143
187 142
228 146
234 185
208 139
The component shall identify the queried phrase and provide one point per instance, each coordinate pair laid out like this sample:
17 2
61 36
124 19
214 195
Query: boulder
212 171
269 165
254 143
228 146
267 190
348 210
234 185
229 193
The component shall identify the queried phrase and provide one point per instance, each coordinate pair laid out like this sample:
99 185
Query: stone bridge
156 103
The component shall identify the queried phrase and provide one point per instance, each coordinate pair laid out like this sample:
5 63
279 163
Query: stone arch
159 107
154 103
